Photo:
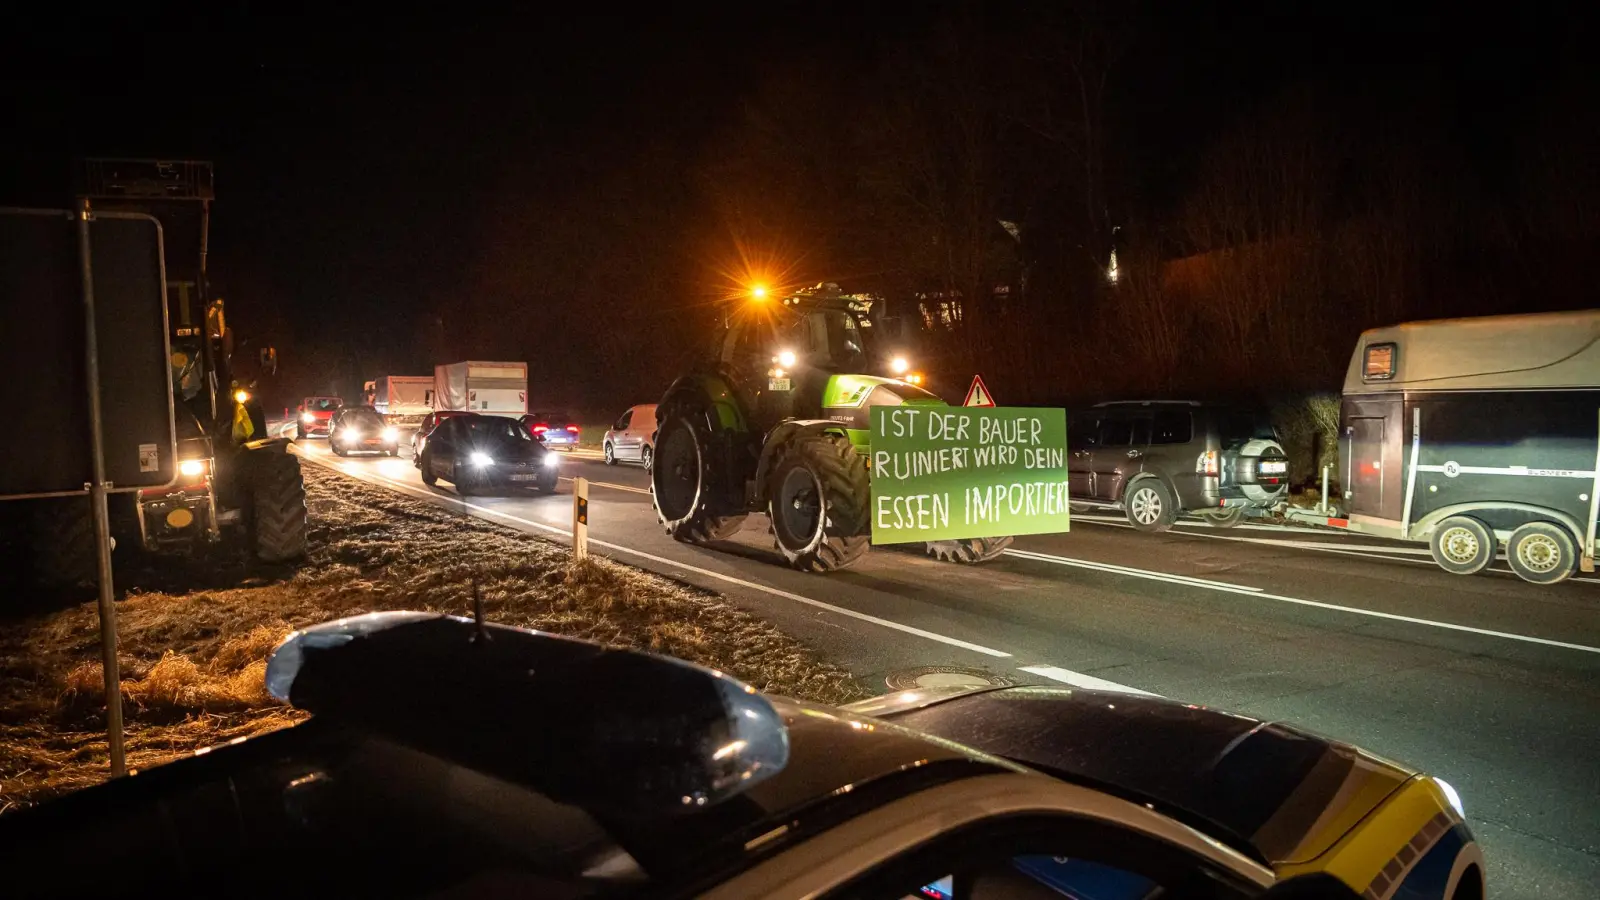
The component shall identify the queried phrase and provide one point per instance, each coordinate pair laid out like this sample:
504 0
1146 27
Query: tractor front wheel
819 501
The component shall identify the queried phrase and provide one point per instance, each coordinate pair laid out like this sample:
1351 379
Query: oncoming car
480 453
315 415
447 757
359 429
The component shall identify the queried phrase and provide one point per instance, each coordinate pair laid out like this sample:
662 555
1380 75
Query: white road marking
1126 570
1106 519
1088 682
1258 593
776 592
614 487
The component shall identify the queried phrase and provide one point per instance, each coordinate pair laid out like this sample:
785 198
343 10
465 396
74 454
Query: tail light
540 429
1208 464
572 428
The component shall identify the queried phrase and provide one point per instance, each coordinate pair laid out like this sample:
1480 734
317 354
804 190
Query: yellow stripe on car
1361 856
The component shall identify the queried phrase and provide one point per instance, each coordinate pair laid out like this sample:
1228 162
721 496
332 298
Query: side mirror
269 360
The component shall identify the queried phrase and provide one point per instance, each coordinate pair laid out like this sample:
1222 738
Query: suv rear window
1172 426
1239 426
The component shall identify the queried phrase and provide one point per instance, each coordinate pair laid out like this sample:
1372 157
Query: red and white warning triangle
978 394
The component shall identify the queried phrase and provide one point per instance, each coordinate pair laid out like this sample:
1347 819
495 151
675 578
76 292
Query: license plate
524 478
779 384
1274 468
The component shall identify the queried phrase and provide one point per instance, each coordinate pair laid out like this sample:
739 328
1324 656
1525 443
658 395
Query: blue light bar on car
602 728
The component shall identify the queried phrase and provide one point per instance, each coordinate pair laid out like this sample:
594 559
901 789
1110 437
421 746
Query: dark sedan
359 429
477 453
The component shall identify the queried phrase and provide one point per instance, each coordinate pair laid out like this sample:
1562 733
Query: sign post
580 518
948 473
97 503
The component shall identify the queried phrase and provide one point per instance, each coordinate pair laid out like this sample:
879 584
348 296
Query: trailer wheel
277 506
1542 553
1462 545
1150 506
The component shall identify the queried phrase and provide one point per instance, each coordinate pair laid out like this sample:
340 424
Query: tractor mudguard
781 437
713 394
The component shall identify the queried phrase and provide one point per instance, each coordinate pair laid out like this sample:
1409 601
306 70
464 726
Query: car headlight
1451 795
192 468
350 435
391 435
480 458
551 460
307 418
899 365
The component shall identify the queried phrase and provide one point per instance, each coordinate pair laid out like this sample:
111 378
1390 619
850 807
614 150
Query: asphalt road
1485 681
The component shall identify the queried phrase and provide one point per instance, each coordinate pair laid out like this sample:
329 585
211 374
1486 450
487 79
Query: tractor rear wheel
968 551
63 552
683 484
277 505
819 500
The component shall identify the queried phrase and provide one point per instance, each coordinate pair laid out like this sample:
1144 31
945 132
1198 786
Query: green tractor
776 421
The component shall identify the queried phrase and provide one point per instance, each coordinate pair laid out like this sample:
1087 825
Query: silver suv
1157 459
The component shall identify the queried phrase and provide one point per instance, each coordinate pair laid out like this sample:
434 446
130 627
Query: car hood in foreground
1287 794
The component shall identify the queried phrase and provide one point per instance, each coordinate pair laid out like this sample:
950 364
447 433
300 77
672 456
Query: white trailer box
402 397
490 388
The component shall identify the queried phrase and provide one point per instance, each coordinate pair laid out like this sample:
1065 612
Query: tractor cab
811 352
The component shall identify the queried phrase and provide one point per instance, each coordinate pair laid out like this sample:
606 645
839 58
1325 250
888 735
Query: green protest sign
946 472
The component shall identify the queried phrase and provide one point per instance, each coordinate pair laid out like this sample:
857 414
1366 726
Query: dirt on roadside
194 635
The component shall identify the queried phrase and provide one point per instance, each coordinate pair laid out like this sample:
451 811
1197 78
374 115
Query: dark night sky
358 170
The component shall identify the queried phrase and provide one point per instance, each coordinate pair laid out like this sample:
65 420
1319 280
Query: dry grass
192 660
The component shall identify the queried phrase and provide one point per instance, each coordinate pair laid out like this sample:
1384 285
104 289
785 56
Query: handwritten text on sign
940 473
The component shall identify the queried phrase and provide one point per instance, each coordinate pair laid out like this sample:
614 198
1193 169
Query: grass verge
194 635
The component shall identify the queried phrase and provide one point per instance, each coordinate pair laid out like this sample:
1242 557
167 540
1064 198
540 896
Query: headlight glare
192 468
307 418
480 458
391 435
551 460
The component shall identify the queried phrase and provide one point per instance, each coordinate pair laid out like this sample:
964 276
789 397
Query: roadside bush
1309 428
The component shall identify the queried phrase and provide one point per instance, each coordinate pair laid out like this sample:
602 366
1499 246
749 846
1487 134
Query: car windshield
323 404
1238 426
364 418
495 427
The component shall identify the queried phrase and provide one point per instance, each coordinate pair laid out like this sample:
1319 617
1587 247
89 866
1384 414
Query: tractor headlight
480 458
551 460
307 418
192 468
899 365
786 358
391 435
241 396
